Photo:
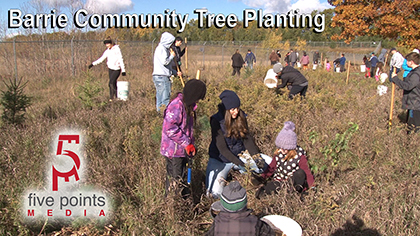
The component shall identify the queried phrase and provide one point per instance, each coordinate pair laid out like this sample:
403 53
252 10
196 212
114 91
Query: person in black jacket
411 95
178 53
237 63
229 137
291 76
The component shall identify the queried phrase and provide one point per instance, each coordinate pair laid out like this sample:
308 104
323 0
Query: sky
183 7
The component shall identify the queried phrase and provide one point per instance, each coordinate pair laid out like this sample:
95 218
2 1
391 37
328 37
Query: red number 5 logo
73 172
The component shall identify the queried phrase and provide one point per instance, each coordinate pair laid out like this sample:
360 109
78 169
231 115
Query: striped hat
233 197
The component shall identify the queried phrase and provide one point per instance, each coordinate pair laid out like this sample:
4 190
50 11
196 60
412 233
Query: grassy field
367 179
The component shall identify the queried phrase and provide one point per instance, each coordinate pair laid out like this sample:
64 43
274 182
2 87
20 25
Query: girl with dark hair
115 65
230 137
177 142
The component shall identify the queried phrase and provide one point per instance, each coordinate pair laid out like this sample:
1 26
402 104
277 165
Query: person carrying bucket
289 164
230 137
177 143
115 65
234 218
289 75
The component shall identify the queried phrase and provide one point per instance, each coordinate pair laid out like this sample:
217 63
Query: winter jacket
411 86
114 59
406 68
316 57
177 129
237 60
250 58
282 170
163 60
240 223
304 60
273 57
292 76
342 61
396 60
381 57
373 61
293 57
226 149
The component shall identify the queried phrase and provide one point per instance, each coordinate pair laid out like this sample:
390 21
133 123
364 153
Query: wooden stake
198 75
186 56
391 110
348 73
180 77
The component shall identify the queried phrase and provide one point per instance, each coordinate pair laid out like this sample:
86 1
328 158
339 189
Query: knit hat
194 90
230 99
233 198
392 49
277 68
287 138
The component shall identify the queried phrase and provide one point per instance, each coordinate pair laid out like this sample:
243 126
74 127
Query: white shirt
114 56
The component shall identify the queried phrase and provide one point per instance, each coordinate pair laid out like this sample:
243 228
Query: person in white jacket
115 65
396 62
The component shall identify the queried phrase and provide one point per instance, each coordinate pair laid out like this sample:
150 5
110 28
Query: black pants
236 70
413 121
372 72
175 172
297 89
113 77
298 181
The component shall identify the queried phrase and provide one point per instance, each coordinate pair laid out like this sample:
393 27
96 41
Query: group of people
230 137
238 61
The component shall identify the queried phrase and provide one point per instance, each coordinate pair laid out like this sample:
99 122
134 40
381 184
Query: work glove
123 74
90 66
190 149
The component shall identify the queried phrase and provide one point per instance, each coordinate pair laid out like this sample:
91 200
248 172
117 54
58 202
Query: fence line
64 58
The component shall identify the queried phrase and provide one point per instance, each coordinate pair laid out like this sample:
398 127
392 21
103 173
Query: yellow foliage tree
272 39
300 44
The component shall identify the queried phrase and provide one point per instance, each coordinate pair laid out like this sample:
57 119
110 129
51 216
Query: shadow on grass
354 227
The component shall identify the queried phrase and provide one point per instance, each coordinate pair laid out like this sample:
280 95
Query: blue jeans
391 70
163 90
217 172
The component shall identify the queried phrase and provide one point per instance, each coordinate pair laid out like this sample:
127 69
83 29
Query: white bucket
298 64
382 89
270 79
362 68
314 67
383 77
287 225
122 90
337 69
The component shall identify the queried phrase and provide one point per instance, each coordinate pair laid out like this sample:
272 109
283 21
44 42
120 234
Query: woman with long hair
230 137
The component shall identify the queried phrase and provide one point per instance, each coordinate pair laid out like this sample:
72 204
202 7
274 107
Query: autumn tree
392 19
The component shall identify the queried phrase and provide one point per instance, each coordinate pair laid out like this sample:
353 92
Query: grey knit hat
277 68
287 138
233 198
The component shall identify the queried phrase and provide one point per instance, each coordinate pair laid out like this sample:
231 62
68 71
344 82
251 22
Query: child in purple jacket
177 142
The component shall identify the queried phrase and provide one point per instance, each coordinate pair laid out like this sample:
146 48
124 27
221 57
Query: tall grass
368 187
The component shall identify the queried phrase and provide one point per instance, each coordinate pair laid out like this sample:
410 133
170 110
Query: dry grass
367 187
